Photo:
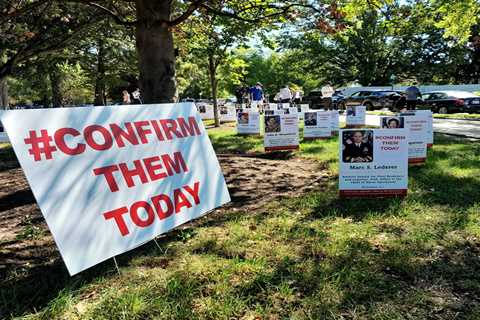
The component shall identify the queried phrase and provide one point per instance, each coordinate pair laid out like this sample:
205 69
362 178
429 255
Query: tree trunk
56 83
100 77
3 93
212 70
156 51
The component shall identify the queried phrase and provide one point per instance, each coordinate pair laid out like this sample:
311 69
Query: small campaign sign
108 179
373 163
228 113
206 111
317 124
356 116
248 123
281 132
417 125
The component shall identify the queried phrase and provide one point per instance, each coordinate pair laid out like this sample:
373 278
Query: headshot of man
310 119
351 111
272 124
243 117
357 147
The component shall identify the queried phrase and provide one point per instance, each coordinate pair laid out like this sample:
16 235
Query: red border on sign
417 161
285 148
384 193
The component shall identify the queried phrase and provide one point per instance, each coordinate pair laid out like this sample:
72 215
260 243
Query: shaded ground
26 243
310 256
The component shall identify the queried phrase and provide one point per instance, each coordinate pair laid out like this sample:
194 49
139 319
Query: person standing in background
126 97
137 97
285 94
413 93
256 94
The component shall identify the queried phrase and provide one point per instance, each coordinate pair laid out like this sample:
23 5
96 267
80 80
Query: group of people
132 98
256 95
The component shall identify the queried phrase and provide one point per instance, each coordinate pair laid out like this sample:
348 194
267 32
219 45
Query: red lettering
194 192
60 141
190 129
142 133
163 214
88 133
117 214
177 164
136 218
157 130
152 168
180 200
107 172
129 174
119 134
170 127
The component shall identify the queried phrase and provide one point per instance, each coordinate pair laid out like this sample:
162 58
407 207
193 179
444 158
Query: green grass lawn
309 257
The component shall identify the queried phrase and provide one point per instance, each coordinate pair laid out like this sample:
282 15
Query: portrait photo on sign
272 124
393 123
202 109
286 111
223 110
351 111
357 146
310 118
242 117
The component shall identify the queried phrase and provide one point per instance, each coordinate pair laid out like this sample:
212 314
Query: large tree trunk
212 70
3 93
100 77
156 51
56 83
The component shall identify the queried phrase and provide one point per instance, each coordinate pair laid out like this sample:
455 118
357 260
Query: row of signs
374 162
282 130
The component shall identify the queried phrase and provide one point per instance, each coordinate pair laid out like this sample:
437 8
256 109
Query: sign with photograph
317 124
356 116
373 163
109 179
417 126
205 110
228 113
291 110
281 132
248 123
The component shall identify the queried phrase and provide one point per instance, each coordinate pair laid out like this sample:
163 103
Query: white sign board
373 163
228 113
317 124
356 116
335 121
418 136
108 179
206 111
248 122
429 115
281 132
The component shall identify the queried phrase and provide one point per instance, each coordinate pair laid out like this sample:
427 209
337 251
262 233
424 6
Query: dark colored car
452 101
316 100
372 99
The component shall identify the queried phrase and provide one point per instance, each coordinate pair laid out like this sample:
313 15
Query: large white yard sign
109 179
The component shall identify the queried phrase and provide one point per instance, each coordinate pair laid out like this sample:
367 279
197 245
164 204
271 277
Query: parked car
316 100
372 99
452 101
